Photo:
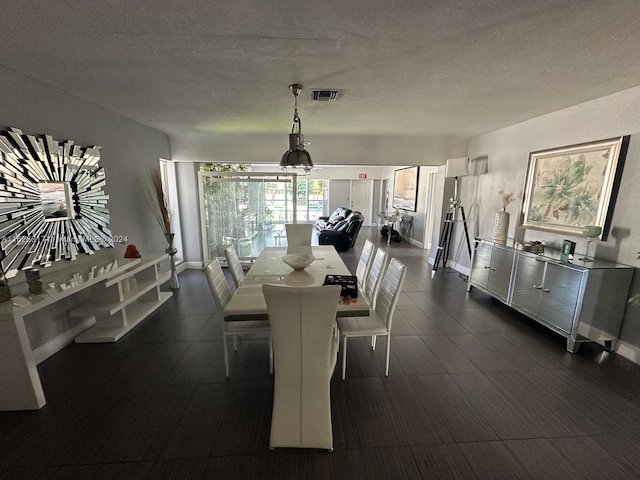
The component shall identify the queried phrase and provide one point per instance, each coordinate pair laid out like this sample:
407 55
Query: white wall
508 152
127 148
339 194
332 172
336 149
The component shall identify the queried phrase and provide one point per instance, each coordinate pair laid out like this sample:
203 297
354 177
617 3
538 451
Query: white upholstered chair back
390 289
218 284
233 262
374 279
221 295
305 351
364 264
298 233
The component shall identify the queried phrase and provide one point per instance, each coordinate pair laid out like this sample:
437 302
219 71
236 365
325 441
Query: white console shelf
122 302
120 299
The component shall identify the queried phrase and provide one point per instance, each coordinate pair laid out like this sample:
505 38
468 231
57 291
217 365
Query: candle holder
590 232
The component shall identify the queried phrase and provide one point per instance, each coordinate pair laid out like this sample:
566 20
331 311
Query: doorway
361 197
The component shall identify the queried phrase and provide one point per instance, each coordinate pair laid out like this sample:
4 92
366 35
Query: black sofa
343 234
339 214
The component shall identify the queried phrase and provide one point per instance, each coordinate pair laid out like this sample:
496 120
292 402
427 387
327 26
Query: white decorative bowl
298 261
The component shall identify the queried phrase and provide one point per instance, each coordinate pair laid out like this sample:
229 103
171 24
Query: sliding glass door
245 210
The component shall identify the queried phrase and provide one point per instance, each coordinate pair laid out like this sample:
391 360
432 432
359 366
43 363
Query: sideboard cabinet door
481 265
559 296
500 271
491 269
528 283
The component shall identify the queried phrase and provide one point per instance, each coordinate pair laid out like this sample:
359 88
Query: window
312 199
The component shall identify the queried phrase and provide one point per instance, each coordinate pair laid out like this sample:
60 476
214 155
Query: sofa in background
343 234
339 214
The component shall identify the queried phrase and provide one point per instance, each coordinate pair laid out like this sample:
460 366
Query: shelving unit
123 301
120 299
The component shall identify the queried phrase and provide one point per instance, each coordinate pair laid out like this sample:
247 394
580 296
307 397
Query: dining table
248 303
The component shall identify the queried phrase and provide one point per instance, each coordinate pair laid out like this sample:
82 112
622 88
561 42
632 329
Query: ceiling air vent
323 95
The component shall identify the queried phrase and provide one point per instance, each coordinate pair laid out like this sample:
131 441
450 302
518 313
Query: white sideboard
123 297
582 301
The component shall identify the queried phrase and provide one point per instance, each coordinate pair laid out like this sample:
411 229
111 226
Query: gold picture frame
570 187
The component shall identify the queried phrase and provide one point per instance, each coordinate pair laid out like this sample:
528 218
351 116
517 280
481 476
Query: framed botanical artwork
570 187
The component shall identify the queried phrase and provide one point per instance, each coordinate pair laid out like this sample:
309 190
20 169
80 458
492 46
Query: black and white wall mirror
52 201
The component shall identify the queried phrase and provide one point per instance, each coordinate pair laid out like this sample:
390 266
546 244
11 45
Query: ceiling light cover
296 156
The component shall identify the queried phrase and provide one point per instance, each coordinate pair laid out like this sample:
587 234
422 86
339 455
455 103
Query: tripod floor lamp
456 168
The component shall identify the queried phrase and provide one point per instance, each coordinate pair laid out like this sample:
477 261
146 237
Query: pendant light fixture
296 156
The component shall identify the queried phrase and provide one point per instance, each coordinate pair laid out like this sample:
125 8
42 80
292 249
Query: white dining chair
305 345
298 234
364 264
379 321
235 267
374 279
221 295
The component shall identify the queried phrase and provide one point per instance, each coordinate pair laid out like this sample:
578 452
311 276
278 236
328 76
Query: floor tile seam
569 459
140 385
81 464
526 369
449 335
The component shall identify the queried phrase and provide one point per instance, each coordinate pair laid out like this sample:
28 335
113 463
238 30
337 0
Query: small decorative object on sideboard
131 252
5 291
34 281
535 246
501 220
568 249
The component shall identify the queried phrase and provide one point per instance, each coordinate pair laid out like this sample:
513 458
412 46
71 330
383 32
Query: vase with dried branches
154 192
501 219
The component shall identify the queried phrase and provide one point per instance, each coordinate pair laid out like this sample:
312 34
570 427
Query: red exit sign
362 176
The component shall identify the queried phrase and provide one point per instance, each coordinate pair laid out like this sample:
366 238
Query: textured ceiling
419 77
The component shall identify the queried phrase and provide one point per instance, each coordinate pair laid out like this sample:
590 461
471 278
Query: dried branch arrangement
152 186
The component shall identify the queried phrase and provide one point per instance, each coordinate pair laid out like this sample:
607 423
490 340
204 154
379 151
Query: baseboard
56 344
461 268
193 265
628 351
181 267
415 242
465 270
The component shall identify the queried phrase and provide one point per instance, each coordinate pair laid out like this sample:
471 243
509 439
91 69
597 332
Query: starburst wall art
52 201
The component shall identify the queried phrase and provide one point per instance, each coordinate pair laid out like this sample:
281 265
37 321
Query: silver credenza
582 301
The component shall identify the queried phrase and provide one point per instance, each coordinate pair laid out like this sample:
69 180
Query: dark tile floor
474 391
